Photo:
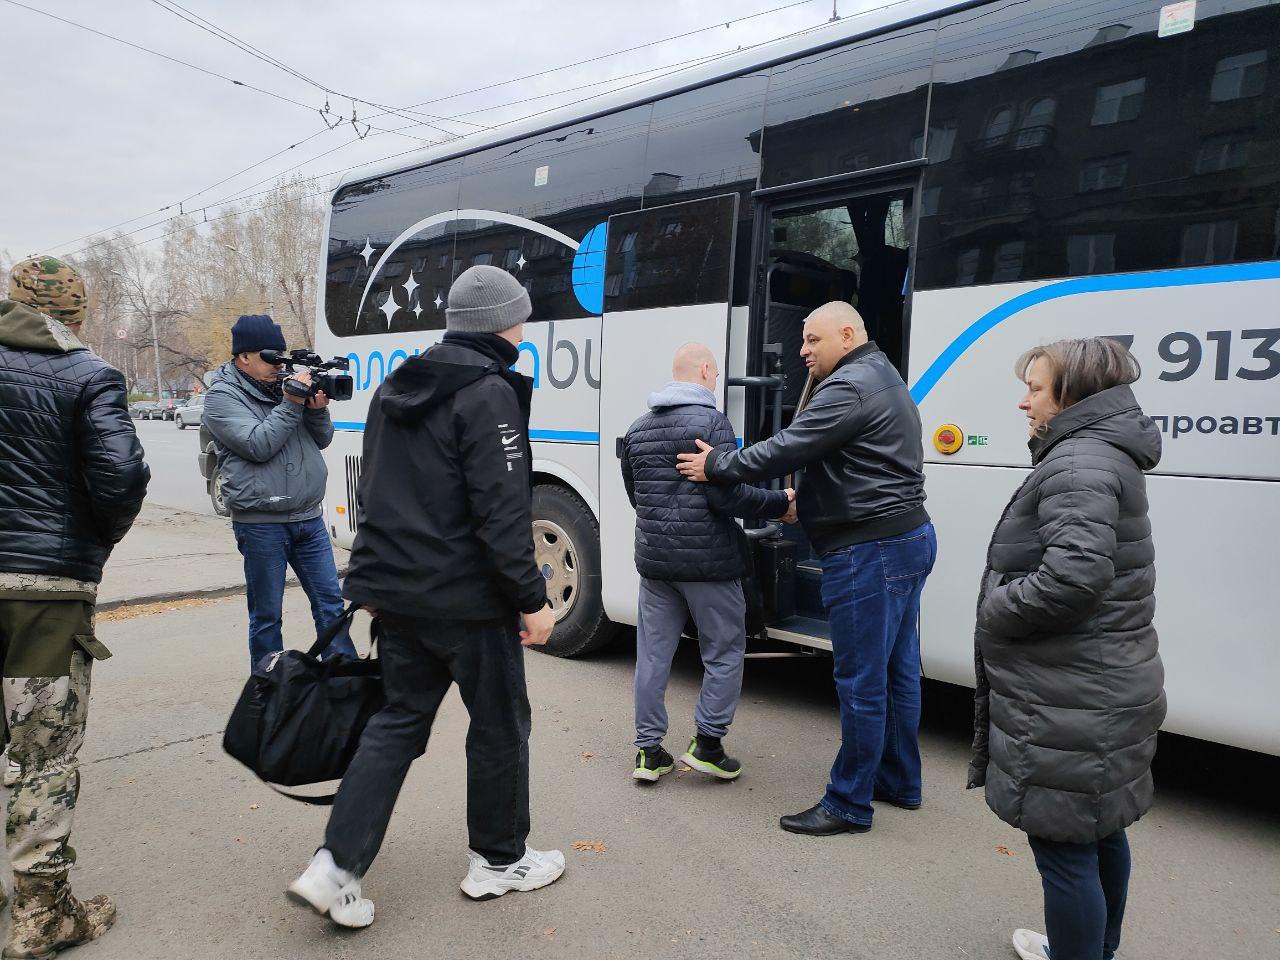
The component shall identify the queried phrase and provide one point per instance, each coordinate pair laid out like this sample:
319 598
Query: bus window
853 249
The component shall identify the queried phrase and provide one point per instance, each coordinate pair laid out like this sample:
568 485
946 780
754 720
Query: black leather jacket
72 477
858 442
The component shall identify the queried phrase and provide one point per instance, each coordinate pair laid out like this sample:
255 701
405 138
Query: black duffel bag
299 719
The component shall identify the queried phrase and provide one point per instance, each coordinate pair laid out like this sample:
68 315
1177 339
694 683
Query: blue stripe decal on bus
1186 277
558 436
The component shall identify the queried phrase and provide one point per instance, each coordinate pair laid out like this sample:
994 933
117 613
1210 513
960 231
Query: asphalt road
198 853
175 477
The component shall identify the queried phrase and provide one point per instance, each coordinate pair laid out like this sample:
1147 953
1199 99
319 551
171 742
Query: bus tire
567 547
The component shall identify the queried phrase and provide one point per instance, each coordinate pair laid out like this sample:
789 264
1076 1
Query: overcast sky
96 133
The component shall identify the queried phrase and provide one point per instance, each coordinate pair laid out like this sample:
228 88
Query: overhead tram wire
677 68
164 56
320 193
188 199
244 46
326 192
661 70
719 24
668 68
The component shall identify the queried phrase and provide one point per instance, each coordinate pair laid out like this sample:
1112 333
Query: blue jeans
267 549
1085 889
872 595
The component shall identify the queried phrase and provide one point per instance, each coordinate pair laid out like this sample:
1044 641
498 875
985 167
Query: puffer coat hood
1070 687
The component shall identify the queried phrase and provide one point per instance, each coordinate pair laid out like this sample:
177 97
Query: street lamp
271 304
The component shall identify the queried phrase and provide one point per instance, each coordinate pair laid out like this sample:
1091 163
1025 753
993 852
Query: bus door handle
768 383
770 529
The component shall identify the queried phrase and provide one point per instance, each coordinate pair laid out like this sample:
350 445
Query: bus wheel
566 545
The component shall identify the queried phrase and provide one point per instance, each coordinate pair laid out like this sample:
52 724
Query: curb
206 593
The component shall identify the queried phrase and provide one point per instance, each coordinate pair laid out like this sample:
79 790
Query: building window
983 189
1208 243
1036 124
1244 75
1019 58
1091 253
443 262
1117 31
512 259
929 198
999 123
1225 152
1008 261
1118 102
942 140
967 267
482 260
1104 173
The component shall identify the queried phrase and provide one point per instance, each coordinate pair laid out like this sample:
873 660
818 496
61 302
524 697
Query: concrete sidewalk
172 554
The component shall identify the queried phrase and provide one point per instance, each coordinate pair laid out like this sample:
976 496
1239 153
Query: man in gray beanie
444 560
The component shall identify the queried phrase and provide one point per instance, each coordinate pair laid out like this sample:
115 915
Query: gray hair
1082 368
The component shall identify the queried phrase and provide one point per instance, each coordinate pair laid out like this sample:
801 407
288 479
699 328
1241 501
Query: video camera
336 386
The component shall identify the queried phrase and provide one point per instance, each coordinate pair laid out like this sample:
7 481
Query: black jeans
420 659
1085 888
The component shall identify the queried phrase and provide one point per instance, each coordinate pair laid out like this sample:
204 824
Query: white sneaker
535 869
1030 945
327 889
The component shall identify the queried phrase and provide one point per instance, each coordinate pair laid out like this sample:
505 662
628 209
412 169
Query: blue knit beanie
255 332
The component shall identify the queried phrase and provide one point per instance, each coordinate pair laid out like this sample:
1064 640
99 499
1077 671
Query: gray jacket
1070 687
268 451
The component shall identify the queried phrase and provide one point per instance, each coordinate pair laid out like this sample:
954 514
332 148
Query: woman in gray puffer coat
1070 688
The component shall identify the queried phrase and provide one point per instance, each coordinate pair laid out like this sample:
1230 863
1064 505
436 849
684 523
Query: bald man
690 558
862 506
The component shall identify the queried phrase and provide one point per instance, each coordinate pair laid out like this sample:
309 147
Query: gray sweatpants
719 612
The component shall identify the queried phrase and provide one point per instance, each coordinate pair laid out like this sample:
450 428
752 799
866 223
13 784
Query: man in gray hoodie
273 480
689 553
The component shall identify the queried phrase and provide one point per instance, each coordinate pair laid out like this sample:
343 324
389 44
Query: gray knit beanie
486 299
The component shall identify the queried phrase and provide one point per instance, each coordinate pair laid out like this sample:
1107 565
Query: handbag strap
325 637
322 801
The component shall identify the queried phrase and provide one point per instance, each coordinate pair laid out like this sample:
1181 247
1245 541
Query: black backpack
299 719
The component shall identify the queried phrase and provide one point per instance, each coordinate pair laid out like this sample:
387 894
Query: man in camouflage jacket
72 479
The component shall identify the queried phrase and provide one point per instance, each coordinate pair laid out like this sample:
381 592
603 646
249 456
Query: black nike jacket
444 505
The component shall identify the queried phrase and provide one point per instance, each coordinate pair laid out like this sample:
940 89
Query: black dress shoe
817 822
879 797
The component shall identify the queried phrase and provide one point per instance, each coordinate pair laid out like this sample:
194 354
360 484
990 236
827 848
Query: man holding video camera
268 441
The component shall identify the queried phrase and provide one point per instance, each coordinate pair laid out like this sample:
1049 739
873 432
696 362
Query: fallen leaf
239 839
595 846
549 932
253 806
1005 850
587 756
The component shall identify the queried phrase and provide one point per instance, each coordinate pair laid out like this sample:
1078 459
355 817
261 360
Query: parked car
165 410
137 407
207 458
189 413
147 408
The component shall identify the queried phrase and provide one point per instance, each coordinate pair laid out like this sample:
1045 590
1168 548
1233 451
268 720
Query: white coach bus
976 178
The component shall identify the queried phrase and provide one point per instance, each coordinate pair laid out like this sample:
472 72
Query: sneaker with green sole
706 754
651 763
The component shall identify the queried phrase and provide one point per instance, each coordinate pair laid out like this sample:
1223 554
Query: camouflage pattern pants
48 649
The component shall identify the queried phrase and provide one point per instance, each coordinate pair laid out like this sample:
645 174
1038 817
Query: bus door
668 280
852 246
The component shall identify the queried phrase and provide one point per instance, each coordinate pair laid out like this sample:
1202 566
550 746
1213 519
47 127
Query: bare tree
175 304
